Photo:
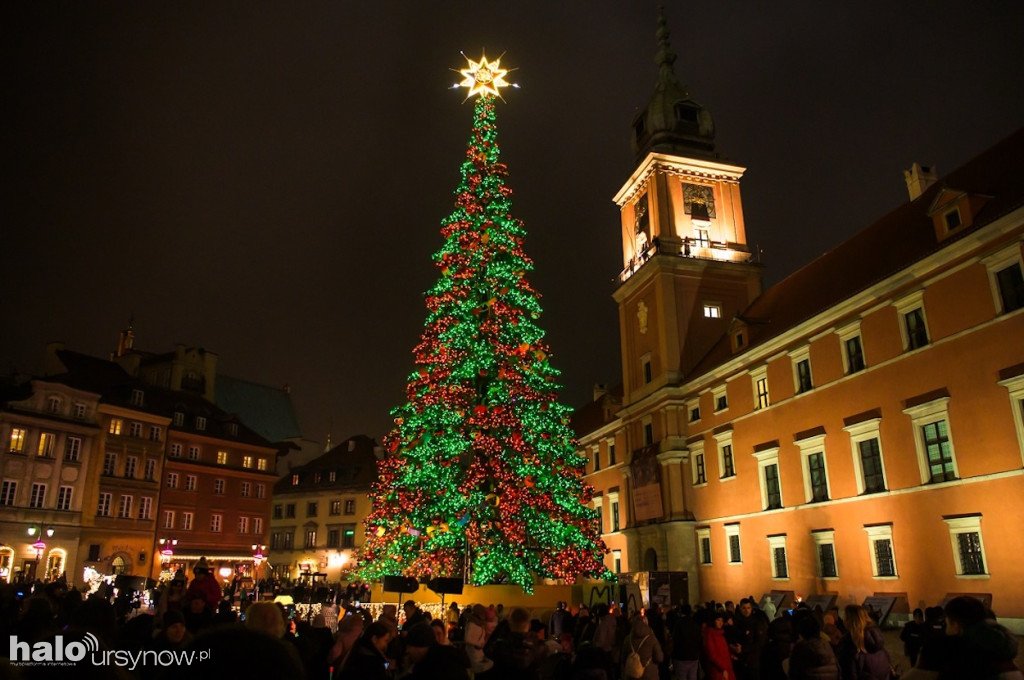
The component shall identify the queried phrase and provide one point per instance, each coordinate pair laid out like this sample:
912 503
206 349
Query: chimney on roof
919 178
600 390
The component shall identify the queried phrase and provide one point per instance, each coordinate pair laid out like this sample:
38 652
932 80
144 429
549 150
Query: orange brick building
855 429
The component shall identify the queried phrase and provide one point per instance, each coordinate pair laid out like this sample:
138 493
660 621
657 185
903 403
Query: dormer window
952 219
138 397
200 423
712 311
179 418
233 429
686 114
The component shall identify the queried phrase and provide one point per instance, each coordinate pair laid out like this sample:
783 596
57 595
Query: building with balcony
854 430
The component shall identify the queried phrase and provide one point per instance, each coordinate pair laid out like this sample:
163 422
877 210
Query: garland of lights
481 478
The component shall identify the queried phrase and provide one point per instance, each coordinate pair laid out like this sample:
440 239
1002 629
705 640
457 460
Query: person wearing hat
718 660
173 635
205 585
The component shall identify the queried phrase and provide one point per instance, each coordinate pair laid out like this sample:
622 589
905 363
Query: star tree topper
484 77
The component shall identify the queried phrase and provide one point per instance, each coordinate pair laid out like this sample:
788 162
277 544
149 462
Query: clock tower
687 269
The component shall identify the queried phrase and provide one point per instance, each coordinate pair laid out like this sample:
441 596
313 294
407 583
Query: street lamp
39 546
257 559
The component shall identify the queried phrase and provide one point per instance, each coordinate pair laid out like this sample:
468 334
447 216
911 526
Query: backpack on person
634 666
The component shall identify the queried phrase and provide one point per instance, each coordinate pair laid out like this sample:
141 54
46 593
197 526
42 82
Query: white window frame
191 482
135 430
103 504
997 262
733 530
257 525
194 452
168 519
171 481
1015 388
218 486
690 406
808 447
764 459
73 449
966 525
705 533
697 449
65 494
124 506
186 521
826 537
778 541
645 360
795 357
716 394
646 422
37 495
712 310
609 445
877 533
859 432
904 306
723 439
149 470
145 507
848 332
175 450
200 423
925 414
614 508
216 523
756 376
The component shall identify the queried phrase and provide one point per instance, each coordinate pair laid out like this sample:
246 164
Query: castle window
712 311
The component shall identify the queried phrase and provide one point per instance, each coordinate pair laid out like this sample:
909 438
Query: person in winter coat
812 657
686 645
912 636
476 638
862 654
204 584
367 660
642 640
717 661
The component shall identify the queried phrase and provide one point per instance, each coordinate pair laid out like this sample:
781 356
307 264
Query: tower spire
665 58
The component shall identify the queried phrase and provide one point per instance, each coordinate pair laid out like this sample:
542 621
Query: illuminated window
46 442
18 440
613 499
760 379
703 238
334 508
295 479
310 538
115 426
222 458
247 461
261 464
712 311
617 561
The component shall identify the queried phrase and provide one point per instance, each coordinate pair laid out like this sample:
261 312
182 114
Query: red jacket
205 585
717 661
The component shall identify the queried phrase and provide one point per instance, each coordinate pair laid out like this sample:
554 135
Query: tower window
712 311
703 240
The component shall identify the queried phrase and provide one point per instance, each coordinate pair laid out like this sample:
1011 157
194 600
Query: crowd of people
715 641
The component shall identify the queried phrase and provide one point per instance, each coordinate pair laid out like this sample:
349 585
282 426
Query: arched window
55 564
651 560
119 565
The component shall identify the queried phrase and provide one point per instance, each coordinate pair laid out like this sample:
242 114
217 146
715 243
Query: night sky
267 180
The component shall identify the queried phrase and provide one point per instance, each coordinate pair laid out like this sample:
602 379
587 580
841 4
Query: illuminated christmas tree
481 478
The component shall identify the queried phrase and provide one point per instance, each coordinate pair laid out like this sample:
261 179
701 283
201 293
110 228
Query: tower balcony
689 248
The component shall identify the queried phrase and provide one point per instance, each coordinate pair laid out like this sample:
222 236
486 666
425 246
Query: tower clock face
698 193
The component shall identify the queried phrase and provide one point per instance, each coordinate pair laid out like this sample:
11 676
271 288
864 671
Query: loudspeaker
446 586
400 584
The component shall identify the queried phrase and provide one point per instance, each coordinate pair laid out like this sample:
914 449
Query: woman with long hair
862 654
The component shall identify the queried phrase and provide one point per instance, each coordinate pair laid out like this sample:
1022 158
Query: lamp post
257 559
39 546
167 546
